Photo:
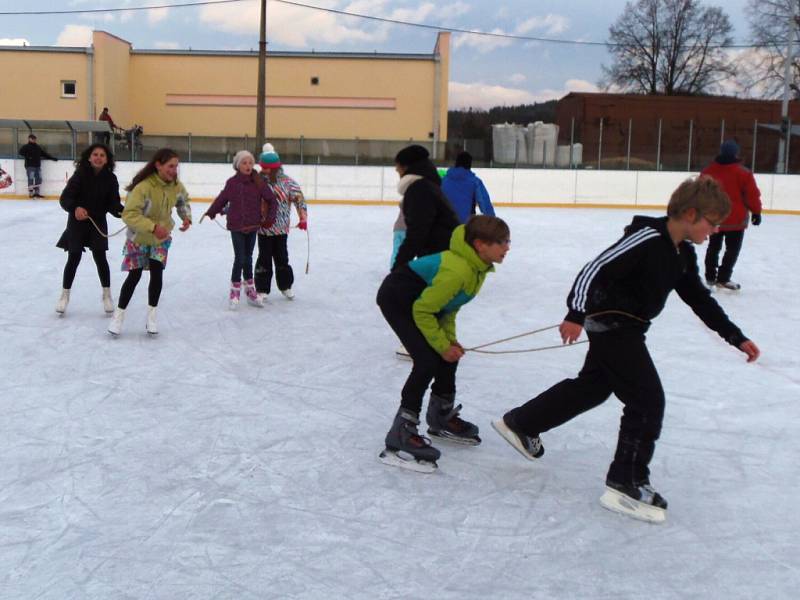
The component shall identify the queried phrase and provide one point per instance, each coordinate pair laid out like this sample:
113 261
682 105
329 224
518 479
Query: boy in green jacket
420 301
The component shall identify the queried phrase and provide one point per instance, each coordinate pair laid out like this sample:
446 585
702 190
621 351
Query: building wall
373 97
31 84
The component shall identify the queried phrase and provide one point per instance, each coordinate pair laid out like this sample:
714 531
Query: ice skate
151 327
445 424
288 293
639 501
61 305
406 449
529 446
731 286
253 297
402 353
233 297
115 327
108 301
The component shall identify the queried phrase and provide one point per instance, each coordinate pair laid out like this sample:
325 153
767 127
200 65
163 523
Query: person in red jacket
745 197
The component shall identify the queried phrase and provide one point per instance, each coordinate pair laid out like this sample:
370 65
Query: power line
508 36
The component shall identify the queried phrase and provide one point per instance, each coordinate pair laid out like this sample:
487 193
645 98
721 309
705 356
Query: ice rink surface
234 456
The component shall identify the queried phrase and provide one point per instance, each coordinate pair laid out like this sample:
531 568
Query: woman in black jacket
92 191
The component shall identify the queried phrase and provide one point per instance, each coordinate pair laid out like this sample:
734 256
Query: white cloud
482 43
167 45
484 96
549 24
157 15
75 35
517 78
14 42
300 28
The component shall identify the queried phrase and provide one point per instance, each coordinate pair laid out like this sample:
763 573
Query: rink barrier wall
371 185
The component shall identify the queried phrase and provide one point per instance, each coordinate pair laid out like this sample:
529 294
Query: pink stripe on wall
281 101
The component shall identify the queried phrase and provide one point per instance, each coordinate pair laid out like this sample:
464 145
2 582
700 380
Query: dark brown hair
83 164
161 156
492 230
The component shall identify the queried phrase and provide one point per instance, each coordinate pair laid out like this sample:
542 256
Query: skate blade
402 356
454 439
501 428
406 461
618 502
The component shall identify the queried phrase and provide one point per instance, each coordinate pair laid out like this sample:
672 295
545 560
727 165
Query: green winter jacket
151 203
454 277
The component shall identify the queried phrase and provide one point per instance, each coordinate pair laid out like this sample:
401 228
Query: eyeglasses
712 223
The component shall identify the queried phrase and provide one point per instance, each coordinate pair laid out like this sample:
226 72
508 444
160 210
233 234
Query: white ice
235 454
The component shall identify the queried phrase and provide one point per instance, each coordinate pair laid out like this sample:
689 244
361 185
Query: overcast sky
485 71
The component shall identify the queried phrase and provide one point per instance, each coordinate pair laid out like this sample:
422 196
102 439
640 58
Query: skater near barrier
745 197
614 298
273 239
91 192
33 153
153 193
420 301
248 203
465 190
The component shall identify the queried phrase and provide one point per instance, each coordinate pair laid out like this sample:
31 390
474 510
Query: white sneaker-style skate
530 447
288 293
253 297
151 326
641 502
115 327
233 297
729 285
402 353
108 301
61 305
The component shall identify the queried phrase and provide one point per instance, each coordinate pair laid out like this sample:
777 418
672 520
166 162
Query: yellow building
313 95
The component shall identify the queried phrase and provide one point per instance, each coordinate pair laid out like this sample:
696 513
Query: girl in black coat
92 191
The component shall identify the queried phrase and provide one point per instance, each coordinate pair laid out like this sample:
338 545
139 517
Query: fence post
755 137
571 139
689 158
600 144
722 132
356 151
544 154
302 140
658 147
190 146
788 146
628 159
132 143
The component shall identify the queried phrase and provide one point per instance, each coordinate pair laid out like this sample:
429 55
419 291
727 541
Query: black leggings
153 290
74 259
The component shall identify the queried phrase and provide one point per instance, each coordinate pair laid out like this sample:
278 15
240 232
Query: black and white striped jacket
635 276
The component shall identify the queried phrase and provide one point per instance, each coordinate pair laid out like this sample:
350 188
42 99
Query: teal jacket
454 277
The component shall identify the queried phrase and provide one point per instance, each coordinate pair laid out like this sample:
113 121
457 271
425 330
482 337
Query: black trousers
733 244
617 362
156 269
273 248
74 259
395 298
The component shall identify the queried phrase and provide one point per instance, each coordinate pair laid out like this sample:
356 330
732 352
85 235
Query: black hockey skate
445 424
407 449
637 500
529 446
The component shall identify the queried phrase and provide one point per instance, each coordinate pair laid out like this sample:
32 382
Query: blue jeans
243 245
34 179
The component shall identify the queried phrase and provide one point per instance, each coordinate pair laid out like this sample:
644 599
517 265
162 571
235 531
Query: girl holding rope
614 298
153 193
91 192
248 203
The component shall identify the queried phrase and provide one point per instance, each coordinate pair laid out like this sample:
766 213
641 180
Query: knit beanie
240 156
410 155
269 159
729 150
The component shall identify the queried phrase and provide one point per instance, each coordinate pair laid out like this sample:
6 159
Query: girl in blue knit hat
272 241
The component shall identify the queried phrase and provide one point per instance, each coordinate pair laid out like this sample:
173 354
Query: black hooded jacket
430 219
635 276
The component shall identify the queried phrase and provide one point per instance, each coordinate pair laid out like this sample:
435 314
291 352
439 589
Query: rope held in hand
527 333
103 233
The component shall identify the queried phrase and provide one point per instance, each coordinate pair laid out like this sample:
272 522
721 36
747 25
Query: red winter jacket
740 185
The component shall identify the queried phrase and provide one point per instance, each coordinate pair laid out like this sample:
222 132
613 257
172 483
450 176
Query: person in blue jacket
465 190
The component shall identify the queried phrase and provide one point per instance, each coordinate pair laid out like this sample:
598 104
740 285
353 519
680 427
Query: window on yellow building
68 89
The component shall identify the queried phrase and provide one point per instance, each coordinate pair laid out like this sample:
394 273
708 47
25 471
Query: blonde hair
704 194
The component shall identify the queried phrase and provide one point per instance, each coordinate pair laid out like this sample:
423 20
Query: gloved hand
303 225
755 219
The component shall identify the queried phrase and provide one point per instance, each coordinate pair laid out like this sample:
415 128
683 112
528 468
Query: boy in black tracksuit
33 154
614 298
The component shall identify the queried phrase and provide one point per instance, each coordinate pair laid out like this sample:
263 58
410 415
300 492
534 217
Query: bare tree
771 24
668 47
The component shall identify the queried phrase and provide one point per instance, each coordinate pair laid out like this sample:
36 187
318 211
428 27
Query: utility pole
261 95
786 134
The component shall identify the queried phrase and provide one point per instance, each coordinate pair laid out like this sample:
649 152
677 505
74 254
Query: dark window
68 89
315 81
